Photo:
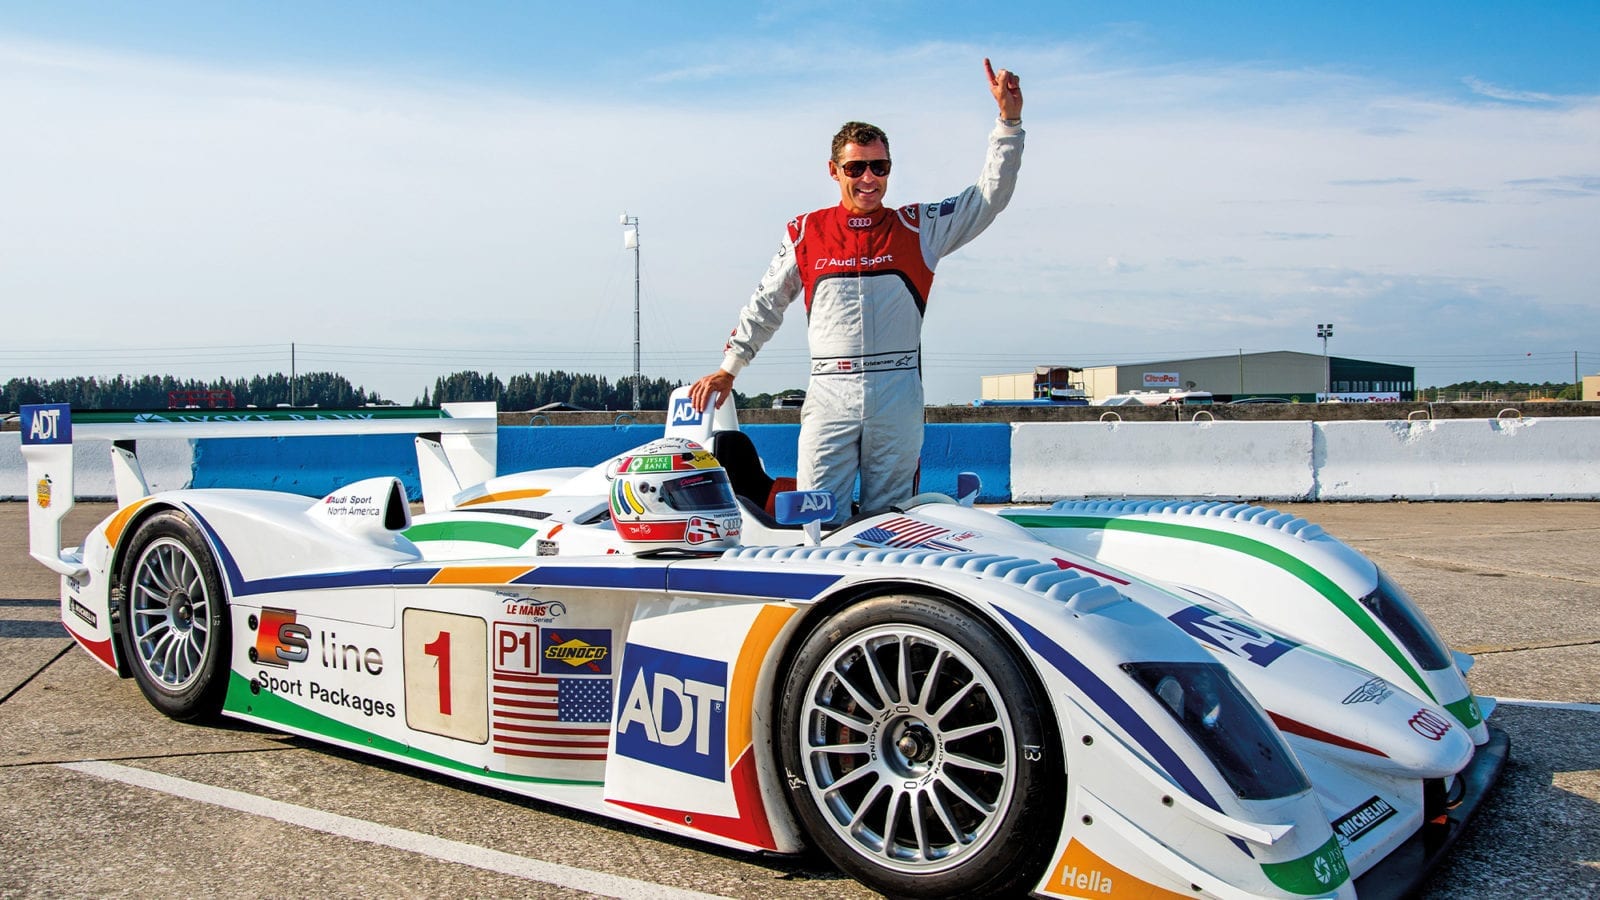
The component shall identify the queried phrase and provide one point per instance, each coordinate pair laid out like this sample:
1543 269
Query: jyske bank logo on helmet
674 712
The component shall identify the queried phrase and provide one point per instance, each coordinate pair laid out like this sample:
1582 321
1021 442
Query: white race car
1098 699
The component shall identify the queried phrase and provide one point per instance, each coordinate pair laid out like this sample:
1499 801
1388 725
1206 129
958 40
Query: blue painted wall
315 466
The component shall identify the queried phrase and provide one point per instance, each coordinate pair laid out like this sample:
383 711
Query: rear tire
175 618
918 753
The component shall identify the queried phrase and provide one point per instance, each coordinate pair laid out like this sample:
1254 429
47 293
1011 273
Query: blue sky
407 189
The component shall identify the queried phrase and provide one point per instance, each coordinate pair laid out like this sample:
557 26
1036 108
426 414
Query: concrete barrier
1455 459
1459 459
168 465
1201 459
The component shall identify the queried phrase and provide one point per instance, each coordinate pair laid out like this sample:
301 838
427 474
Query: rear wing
456 448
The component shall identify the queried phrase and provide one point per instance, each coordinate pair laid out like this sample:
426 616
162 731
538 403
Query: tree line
325 389
330 390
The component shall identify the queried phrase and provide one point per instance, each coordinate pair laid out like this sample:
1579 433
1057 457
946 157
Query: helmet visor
700 492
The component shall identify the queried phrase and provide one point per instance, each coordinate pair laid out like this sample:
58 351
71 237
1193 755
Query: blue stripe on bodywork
239 586
1118 709
780 586
767 585
596 577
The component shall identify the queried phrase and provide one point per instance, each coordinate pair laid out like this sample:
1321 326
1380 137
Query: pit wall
1439 459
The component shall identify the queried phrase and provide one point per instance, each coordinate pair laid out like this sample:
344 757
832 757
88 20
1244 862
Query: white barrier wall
1204 459
168 465
1459 459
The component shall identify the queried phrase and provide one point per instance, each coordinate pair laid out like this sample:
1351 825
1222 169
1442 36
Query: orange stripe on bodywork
1080 872
505 495
742 689
119 522
478 574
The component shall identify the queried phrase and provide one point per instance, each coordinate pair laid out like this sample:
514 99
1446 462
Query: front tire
918 753
175 618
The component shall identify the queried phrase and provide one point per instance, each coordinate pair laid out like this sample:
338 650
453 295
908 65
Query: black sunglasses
855 167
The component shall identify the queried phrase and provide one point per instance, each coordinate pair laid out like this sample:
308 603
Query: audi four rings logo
1429 725
859 222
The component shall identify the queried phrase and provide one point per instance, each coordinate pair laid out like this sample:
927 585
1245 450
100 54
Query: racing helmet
672 494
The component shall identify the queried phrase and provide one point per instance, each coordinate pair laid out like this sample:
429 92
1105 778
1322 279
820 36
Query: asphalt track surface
102 796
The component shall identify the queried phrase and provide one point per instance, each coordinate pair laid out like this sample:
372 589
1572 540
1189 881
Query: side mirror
968 486
807 508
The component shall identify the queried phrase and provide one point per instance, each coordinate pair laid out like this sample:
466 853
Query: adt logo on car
674 712
47 423
1233 636
684 413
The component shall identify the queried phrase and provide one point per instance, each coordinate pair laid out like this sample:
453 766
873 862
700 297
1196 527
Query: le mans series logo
675 713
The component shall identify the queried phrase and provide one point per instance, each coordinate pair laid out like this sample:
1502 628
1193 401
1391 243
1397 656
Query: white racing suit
866 280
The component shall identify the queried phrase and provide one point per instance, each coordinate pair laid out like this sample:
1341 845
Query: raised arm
1007 90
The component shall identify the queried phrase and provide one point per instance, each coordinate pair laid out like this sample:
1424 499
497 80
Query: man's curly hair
859 133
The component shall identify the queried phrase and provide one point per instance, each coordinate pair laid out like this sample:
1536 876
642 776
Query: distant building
1302 377
1591 387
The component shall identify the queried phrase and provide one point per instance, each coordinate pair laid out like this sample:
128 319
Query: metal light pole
1325 331
630 241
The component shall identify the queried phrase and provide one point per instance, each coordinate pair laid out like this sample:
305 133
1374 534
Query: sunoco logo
588 649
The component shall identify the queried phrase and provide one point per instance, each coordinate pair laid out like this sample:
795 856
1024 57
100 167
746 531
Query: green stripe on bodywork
1295 567
273 708
1318 872
479 532
1466 711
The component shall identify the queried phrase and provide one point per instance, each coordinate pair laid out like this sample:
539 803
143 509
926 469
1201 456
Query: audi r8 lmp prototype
1098 699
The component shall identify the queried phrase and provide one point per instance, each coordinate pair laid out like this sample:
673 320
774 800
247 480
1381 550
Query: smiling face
863 194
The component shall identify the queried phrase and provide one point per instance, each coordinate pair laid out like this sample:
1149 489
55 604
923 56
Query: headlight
1230 728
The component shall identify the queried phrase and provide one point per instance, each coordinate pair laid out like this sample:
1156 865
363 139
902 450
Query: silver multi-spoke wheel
171 613
915 753
908 747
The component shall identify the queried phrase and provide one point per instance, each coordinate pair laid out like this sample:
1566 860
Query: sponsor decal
281 640
947 207
1318 871
1356 823
652 531
859 222
1429 725
47 423
546 548
684 413
82 612
701 530
535 610
816 501
649 464
553 702
1081 872
906 532
861 262
1235 637
41 492
1374 691
352 506
674 713
585 649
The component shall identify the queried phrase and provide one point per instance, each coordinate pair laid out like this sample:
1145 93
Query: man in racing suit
865 271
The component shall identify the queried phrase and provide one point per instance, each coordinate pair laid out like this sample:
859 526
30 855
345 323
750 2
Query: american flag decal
903 532
551 718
